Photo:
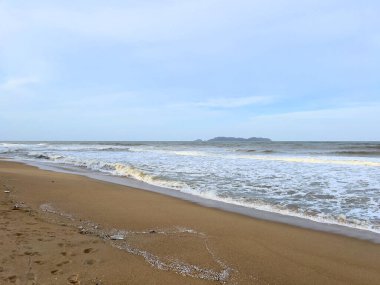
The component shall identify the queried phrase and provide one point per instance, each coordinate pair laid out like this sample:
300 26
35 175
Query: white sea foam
341 219
313 160
192 153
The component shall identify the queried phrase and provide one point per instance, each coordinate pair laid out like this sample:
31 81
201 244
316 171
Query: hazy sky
182 70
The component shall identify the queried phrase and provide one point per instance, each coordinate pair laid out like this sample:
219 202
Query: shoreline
255 251
277 217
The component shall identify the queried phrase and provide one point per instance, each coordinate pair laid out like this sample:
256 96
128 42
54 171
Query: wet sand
61 228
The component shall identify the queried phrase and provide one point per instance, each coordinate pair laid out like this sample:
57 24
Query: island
234 139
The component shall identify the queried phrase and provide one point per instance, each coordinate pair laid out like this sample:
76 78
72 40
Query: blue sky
182 70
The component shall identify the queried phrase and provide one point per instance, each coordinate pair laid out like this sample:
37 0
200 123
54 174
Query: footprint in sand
89 262
34 253
13 279
56 271
88 250
63 263
31 276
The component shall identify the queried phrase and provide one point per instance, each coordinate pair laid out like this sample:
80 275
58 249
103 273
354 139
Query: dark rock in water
41 156
152 232
233 139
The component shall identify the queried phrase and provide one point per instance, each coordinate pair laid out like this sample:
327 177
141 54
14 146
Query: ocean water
329 182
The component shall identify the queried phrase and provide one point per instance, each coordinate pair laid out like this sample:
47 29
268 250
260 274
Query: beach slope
61 228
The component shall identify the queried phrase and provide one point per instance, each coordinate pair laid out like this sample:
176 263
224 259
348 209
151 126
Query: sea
326 182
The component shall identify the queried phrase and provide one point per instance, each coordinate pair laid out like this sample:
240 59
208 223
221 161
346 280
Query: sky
189 69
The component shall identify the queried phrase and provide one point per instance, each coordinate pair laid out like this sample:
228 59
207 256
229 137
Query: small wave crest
41 155
88 148
113 149
9 151
191 153
357 153
256 150
135 173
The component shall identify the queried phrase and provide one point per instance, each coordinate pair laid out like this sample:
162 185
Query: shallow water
336 182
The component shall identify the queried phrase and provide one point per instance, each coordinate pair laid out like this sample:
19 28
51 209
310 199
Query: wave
362 146
314 160
357 153
91 148
135 173
191 153
114 149
9 151
41 155
11 144
117 169
340 219
61 147
257 151
126 144
87 148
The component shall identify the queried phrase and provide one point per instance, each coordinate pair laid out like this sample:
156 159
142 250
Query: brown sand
40 247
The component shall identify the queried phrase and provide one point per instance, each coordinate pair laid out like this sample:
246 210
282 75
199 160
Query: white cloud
234 102
282 46
155 21
140 21
345 123
224 103
17 83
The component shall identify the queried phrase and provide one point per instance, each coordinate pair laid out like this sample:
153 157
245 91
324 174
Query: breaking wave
117 169
45 156
135 173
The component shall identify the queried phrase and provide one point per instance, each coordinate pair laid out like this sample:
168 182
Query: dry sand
60 228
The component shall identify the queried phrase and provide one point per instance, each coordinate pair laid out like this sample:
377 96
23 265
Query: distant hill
233 139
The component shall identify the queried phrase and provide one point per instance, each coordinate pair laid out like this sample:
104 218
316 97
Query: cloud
148 21
17 83
158 21
234 102
343 123
227 103
184 59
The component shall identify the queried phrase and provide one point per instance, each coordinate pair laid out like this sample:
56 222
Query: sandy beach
61 228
